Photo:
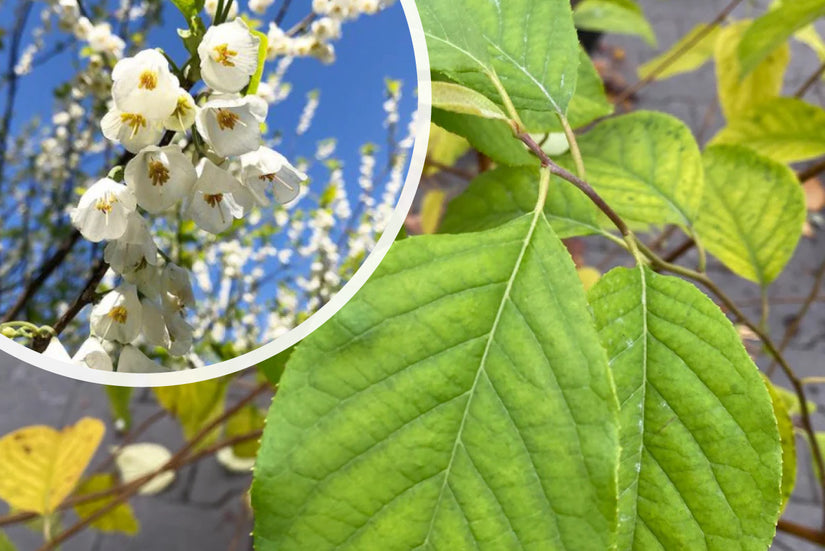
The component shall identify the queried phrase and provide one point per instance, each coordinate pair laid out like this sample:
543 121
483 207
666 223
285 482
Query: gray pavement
205 508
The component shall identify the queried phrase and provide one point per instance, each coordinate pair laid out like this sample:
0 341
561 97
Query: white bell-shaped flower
229 56
103 211
154 329
232 126
175 284
132 360
133 130
160 177
180 332
134 248
183 117
56 351
144 84
118 316
212 205
266 166
146 277
93 355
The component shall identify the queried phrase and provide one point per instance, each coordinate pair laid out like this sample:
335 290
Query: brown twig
810 82
631 91
802 532
812 171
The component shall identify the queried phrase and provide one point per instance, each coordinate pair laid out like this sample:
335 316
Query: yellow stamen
148 80
213 200
106 203
158 173
118 314
268 177
224 55
135 121
227 119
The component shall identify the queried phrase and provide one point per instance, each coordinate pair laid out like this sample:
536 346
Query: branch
810 82
802 532
686 47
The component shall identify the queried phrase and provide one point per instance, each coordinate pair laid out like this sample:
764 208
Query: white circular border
267 351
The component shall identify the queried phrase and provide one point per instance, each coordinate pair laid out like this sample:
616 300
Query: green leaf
504 194
444 148
791 401
788 441
773 29
460 401
589 102
120 519
614 16
494 138
273 368
646 165
752 214
699 54
195 405
531 46
738 92
247 420
189 8
460 99
787 130
263 46
5 543
119 397
700 465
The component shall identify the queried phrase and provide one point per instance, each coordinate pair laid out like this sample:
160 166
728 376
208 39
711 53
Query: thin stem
802 532
574 146
808 84
686 47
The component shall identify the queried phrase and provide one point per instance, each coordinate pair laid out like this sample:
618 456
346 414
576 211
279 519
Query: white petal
103 211
137 460
132 360
118 316
93 354
160 177
229 56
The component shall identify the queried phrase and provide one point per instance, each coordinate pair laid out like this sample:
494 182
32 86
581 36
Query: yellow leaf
699 54
41 465
432 210
195 405
736 94
589 276
443 149
120 519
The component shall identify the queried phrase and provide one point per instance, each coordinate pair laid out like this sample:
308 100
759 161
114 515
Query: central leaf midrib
537 215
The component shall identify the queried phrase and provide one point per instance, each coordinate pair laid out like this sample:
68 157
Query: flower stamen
106 203
213 200
148 80
135 121
224 55
158 173
118 314
227 119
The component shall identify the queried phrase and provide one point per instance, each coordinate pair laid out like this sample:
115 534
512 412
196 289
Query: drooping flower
94 355
180 332
229 56
160 177
103 211
154 329
176 286
183 117
144 84
133 130
232 126
118 316
132 360
266 166
212 205
135 247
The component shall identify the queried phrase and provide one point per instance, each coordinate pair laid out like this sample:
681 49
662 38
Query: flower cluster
329 15
194 177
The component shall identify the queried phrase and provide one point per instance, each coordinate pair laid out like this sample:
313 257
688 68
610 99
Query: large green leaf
460 401
775 28
647 166
614 16
785 129
752 214
492 137
739 92
504 194
699 54
531 46
701 459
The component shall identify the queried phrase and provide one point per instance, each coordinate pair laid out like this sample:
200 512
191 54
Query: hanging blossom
216 172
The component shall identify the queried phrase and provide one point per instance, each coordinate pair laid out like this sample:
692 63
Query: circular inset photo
191 188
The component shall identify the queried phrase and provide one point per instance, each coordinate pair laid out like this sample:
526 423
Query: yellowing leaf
41 465
737 92
120 519
787 440
432 210
443 149
247 420
5 543
589 276
699 54
460 99
194 405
